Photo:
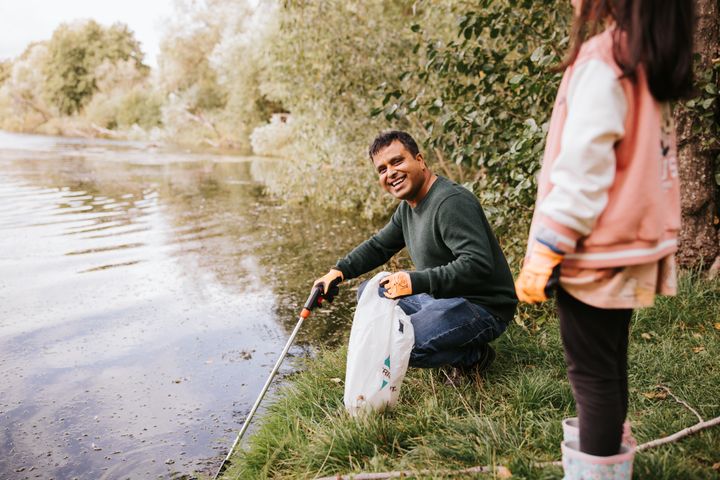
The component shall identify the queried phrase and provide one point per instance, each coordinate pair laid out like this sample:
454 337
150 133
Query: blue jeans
448 331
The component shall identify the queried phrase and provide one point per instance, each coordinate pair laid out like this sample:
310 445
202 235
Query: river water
144 297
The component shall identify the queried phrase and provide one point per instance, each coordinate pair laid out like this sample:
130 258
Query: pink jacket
641 217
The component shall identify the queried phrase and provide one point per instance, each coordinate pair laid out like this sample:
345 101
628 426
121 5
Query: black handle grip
315 298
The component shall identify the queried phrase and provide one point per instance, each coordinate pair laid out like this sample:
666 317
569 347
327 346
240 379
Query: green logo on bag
386 372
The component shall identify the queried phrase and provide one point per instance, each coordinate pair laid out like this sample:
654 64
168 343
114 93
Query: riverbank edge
64 128
512 416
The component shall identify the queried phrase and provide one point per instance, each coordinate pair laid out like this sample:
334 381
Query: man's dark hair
386 138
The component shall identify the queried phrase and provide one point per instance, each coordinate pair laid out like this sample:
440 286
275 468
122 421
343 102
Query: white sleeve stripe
552 237
636 252
585 168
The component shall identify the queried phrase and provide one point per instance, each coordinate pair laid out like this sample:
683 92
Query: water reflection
144 296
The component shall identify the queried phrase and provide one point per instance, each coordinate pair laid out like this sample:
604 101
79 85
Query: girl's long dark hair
658 34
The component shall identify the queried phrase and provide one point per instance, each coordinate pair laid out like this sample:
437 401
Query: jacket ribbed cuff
420 282
345 274
555 235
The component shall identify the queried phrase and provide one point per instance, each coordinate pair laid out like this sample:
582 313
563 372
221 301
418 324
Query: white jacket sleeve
585 168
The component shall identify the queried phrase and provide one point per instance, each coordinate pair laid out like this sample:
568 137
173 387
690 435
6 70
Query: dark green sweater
452 246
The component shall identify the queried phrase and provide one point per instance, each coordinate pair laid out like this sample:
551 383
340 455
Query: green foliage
324 61
704 109
5 70
239 59
185 51
210 63
474 81
492 94
86 70
139 107
125 98
22 103
75 51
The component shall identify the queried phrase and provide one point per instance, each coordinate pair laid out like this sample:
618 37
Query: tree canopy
74 53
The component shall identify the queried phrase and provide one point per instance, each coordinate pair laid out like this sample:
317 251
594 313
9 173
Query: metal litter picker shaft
314 300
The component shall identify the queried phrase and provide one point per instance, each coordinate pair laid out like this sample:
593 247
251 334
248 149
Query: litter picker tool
314 300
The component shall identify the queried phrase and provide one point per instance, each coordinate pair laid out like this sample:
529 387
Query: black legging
596 342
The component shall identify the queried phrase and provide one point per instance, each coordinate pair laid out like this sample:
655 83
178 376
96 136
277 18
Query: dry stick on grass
681 434
503 472
702 425
499 471
680 401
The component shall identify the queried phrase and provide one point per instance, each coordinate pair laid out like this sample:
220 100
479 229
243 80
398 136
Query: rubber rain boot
582 466
571 432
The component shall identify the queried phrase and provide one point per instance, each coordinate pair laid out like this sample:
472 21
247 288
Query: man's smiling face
401 174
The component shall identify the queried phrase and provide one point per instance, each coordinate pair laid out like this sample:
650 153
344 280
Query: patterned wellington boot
582 466
571 432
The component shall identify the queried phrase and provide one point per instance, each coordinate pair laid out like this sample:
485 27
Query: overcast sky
24 21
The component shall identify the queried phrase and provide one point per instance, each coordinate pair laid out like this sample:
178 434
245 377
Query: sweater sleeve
463 228
584 171
375 251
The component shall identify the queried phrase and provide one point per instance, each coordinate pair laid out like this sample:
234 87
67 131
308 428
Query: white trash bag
381 339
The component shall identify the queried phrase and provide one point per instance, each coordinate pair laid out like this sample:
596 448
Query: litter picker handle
314 300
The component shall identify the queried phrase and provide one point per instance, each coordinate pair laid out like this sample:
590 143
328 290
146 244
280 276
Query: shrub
75 51
487 111
272 139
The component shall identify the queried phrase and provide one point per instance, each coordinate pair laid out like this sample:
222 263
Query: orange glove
397 285
539 274
330 280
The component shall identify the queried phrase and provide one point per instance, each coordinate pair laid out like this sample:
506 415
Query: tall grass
512 415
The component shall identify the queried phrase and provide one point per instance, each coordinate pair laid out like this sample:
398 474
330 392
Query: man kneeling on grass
461 295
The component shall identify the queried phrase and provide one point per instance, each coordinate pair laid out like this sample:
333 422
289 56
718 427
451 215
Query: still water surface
144 296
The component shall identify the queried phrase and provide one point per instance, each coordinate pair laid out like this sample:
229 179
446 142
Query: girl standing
608 207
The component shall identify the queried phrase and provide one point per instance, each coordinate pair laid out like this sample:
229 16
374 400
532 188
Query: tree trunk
700 195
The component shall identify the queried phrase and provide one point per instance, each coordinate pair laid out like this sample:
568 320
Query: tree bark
700 195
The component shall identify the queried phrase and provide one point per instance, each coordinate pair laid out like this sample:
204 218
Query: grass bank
510 417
